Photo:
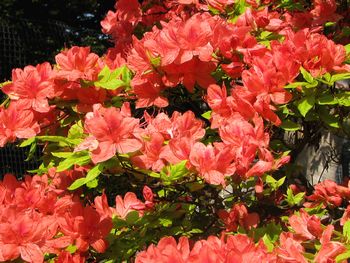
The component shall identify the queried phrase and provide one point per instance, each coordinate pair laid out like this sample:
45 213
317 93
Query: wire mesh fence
14 160
29 42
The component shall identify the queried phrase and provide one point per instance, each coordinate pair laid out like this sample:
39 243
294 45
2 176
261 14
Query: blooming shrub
170 147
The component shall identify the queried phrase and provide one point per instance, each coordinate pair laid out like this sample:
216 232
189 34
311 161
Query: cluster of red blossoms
39 216
231 61
238 248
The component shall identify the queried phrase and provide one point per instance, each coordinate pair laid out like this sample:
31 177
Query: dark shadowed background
33 31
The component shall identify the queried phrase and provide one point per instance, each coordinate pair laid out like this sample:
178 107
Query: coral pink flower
327 193
266 82
329 249
23 236
161 123
153 145
211 250
109 22
193 39
238 216
86 227
127 204
148 88
189 73
212 164
316 52
186 124
305 226
32 86
167 250
7 189
289 249
148 195
187 2
239 248
344 218
220 4
77 63
324 10
102 207
17 122
67 257
178 149
128 10
111 132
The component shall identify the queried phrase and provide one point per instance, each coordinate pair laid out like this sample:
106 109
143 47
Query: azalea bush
175 145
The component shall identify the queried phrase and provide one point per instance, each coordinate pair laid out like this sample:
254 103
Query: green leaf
347 48
195 231
154 174
346 230
342 257
91 179
76 131
268 243
94 172
31 152
340 76
273 183
174 172
132 217
316 210
327 77
270 180
295 85
104 74
289 125
71 249
78 158
119 223
265 34
92 183
327 99
312 84
307 76
272 231
112 80
77 183
62 154
343 99
305 104
126 75
112 84
239 8
327 118
280 181
292 199
298 198
207 115
59 139
291 5
166 222
27 142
